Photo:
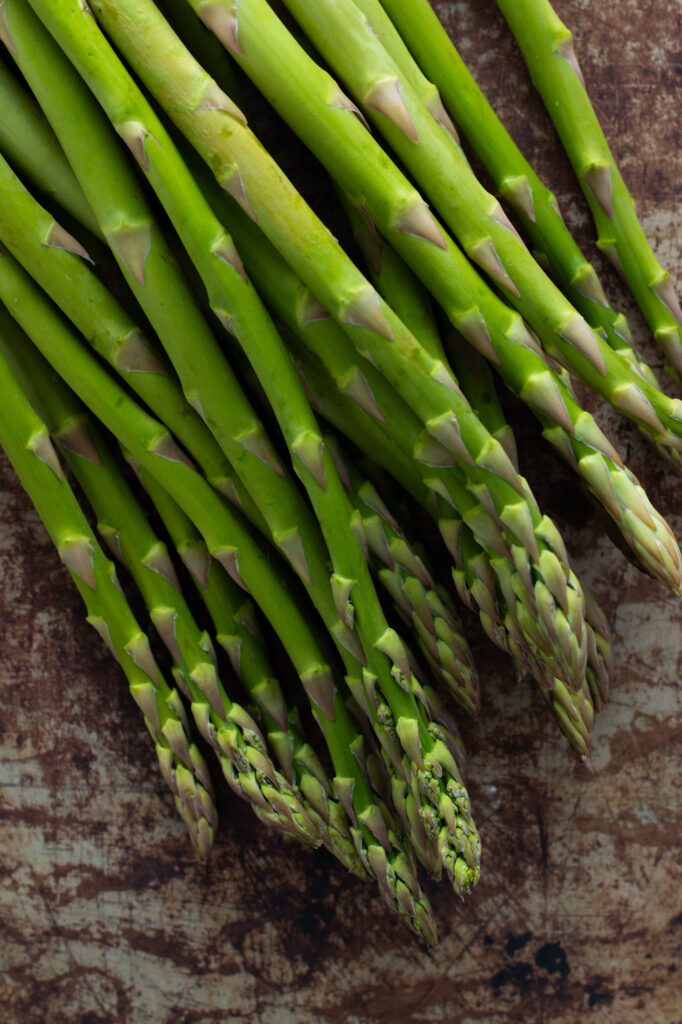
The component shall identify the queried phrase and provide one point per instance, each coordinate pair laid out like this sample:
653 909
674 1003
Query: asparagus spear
236 625
415 22
403 291
28 142
333 280
547 47
390 691
473 573
404 575
27 444
227 727
56 259
345 38
291 301
308 99
227 540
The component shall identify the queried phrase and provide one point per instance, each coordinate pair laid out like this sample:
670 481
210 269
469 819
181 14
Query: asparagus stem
342 34
415 22
547 47
390 691
272 202
28 143
400 287
407 296
227 540
55 260
27 444
236 625
424 606
121 521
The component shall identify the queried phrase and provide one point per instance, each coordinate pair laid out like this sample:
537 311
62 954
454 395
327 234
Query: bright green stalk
30 145
27 444
416 22
404 292
339 29
424 606
320 683
54 258
373 326
408 297
390 692
547 47
356 378
240 163
235 621
474 572
227 540
365 171
121 521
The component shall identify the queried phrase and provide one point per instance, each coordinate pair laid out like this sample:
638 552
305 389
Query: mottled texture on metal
106 917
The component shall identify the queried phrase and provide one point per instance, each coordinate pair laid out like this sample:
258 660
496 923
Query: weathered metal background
105 916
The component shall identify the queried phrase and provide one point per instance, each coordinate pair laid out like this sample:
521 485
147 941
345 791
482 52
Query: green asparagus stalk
28 143
390 692
237 630
403 291
547 47
473 572
56 260
236 623
95 153
416 22
406 295
424 606
308 99
27 444
291 301
272 201
341 32
488 468
227 540
227 727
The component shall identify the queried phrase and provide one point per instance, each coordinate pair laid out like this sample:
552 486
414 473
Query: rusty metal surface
105 916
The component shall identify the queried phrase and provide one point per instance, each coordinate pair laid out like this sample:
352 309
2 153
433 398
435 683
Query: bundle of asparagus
185 240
